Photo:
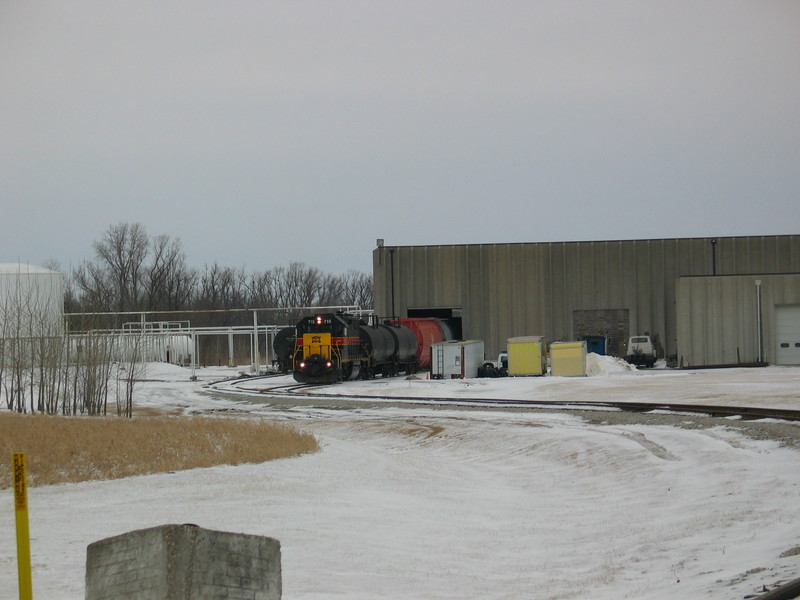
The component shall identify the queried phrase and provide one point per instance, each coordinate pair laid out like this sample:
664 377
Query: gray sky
265 132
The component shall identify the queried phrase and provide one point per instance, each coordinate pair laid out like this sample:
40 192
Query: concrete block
183 562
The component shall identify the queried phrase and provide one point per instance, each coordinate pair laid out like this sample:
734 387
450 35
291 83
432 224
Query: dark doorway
612 324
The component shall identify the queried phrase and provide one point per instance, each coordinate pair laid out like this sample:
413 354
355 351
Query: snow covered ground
414 501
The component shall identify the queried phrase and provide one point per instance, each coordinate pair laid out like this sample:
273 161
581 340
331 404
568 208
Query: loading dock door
787 335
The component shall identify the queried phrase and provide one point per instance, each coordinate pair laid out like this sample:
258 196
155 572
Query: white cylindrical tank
31 301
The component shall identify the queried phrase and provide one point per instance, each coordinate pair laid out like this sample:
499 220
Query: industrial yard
519 281
427 500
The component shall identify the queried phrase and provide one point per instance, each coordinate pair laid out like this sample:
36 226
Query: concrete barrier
183 562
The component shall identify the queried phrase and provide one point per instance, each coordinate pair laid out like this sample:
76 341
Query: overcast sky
261 133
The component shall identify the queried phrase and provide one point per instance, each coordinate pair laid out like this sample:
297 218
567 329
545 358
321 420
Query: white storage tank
456 359
31 301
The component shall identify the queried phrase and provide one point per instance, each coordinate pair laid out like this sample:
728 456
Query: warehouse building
705 301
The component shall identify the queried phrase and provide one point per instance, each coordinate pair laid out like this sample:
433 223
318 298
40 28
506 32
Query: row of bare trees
132 271
44 370
59 374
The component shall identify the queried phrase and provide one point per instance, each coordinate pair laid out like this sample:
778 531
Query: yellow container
568 359
526 356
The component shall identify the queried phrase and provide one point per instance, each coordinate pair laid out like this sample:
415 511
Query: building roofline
611 241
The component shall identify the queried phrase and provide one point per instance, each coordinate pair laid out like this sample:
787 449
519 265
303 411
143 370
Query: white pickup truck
641 351
498 368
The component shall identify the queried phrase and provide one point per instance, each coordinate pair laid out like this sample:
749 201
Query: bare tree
329 291
261 290
356 289
300 285
131 368
122 251
169 283
220 288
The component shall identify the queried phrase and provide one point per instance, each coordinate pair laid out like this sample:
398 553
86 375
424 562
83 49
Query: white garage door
787 334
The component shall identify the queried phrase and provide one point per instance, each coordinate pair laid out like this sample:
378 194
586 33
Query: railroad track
233 385
307 392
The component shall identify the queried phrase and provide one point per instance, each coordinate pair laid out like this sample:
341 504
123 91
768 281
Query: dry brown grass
73 449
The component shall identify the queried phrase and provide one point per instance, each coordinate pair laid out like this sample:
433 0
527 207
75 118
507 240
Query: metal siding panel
739 342
405 288
684 323
613 276
474 317
695 257
783 263
787 289
586 293
503 291
489 294
698 318
440 278
750 260
770 256
444 277
727 252
710 320
643 288
517 320
572 285
657 292
536 290
379 280
557 288
416 293
670 307
728 325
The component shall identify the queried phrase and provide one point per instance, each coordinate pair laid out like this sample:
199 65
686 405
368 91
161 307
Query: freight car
337 346
283 345
428 331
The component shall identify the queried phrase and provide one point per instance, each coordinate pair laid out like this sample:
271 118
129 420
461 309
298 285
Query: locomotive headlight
319 320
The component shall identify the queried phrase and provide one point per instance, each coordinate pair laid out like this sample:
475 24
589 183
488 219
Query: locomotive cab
317 363
326 349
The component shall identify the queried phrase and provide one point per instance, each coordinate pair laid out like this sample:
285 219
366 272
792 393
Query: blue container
596 344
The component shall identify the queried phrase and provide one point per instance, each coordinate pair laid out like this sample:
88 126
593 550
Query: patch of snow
424 502
599 365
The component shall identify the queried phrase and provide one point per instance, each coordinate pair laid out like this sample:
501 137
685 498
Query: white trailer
456 359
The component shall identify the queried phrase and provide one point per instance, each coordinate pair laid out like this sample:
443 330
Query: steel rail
712 410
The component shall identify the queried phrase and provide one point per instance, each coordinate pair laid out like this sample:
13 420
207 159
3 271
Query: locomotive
334 347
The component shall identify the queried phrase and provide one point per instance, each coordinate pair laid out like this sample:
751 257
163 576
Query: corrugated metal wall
507 290
718 317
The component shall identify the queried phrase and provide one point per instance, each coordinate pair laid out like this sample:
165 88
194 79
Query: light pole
758 320
713 257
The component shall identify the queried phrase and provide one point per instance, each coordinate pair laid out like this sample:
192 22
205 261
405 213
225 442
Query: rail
745 412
